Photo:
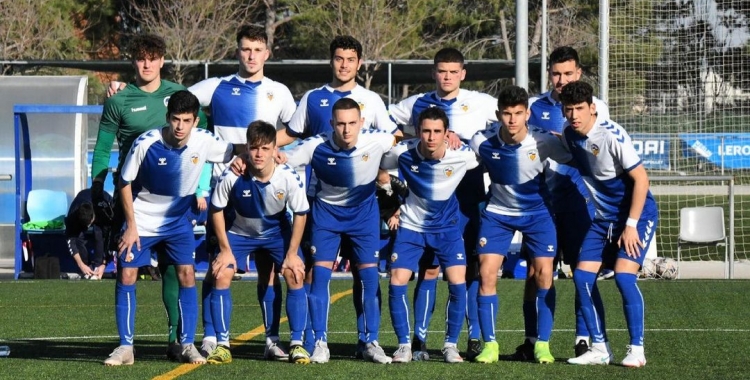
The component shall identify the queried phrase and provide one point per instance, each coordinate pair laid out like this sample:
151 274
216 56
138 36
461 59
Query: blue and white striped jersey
547 113
605 156
517 171
342 177
431 205
313 116
468 113
260 207
164 178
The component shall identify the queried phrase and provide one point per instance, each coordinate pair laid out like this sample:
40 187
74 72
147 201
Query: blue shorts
177 248
360 224
600 243
411 247
244 247
496 232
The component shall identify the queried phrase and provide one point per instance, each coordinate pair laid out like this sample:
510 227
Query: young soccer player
157 186
624 223
515 157
80 217
429 225
345 162
260 227
468 112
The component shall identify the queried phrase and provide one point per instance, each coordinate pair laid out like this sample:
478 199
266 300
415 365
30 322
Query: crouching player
624 223
258 199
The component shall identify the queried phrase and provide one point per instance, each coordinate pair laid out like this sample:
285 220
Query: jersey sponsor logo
331 161
448 171
532 155
236 91
162 161
415 169
495 155
394 257
138 109
595 149
365 157
279 194
324 102
246 193
269 95
482 241
545 115
194 158
459 256
465 107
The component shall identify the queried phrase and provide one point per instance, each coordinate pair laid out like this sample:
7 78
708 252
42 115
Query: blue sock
455 312
370 304
357 301
208 322
472 305
188 298
296 311
308 336
125 312
424 306
487 310
529 318
585 283
267 298
399 306
319 300
581 329
545 309
221 312
632 305
596 299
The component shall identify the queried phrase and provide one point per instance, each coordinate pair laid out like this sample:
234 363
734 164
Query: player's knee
186 275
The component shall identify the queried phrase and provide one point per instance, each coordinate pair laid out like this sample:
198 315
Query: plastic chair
45 205
702 226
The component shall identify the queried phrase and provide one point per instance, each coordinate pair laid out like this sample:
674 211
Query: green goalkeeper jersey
126 116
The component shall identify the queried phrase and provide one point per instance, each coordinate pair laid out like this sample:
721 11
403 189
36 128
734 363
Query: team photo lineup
351 170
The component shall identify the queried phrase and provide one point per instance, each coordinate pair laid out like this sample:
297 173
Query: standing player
158 181
468 112
429 225
625 221
515 157
139 107
260 227
345 162
313 117
570 199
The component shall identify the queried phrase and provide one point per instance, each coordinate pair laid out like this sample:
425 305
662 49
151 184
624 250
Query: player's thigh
449 247
539 235
140 257
408 250
495 234
646 228
595 243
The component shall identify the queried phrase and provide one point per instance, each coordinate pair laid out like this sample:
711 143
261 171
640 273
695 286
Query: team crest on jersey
269 95
162 161
365 157
465 107
595 149
394 257
361 106
448 171
166 100
194 158
279 194
482 241
415 169
532 155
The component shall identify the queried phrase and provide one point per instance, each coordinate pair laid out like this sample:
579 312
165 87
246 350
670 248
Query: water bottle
4 351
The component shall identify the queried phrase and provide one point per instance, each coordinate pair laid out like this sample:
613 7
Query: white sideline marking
91 337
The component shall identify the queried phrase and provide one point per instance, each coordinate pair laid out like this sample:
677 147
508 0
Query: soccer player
313 117
570 199
137 108
624 223
259 200
157 186
429 225
345 162
515 157
468 112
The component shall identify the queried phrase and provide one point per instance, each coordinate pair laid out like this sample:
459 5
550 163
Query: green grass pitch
64 329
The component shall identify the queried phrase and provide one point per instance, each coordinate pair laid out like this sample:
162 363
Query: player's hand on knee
294 264
223 261
631 242
129 237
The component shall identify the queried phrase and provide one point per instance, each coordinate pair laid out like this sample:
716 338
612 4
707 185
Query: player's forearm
126 197
217 219
102 152
640 191
283 138
204 184
298 228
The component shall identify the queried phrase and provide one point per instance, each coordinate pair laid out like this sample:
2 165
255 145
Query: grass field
64 329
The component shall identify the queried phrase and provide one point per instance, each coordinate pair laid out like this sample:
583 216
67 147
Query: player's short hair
346 43
252 33
84 214
432 113
448 55
146 46
563 54
260 133
346 104
576 93
183 101
511 96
